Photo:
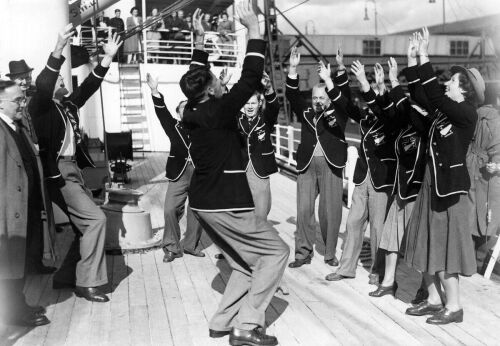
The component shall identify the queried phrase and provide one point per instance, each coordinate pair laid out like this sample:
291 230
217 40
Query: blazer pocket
269 153
457 165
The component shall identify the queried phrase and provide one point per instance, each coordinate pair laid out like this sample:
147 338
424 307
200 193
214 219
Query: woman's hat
475 78
18 67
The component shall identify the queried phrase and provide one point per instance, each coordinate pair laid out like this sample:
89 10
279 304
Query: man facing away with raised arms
221 199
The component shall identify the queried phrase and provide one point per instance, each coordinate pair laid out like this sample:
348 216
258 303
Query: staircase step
134 120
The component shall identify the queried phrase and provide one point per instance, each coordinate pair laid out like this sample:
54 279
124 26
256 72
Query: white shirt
8 121
68 147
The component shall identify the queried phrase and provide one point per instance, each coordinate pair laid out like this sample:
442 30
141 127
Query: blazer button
434 143
437 154
440 165
17 215
19 188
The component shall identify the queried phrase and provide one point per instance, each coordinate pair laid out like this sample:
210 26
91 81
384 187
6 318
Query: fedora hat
18 67
475 78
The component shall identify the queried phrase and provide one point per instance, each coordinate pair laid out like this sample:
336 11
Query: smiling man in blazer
321 157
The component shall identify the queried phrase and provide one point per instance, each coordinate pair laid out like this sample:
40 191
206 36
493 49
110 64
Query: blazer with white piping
450 134
219 182
257 148
179 156
327 128
50 119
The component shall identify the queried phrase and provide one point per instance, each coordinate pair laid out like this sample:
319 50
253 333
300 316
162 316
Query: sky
337 17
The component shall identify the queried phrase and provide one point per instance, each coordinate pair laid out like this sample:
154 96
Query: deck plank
156 303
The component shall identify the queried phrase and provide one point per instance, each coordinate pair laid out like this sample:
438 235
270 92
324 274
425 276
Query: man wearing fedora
42 242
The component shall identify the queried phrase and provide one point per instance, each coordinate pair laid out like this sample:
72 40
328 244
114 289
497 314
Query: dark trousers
325 180
257 255
175 201
367 204
12 299
85 262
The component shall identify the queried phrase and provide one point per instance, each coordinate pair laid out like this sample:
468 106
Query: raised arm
272 104
460 114
93 81
292 90
167 121
199 31
253 65
339 101
46 80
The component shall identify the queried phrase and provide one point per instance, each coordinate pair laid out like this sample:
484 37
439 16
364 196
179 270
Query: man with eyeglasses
21 74
20 208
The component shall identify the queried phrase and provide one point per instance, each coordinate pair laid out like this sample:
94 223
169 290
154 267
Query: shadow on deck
153 303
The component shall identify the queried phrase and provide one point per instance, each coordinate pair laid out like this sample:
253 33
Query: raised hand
248 18
152 83
62 40
197 26
413 45
111 47
224 76
423 42
340 58
266 83
378 70
324 72
358 69
294 57
393 72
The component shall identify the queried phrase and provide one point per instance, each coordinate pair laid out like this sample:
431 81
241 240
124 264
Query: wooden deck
153 303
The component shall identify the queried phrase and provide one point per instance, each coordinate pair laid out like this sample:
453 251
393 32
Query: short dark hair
133 8
118 10
4 84
194 83
470 93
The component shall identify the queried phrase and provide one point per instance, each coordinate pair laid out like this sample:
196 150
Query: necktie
74 124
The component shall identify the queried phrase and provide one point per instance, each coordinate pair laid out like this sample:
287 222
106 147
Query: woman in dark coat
439 243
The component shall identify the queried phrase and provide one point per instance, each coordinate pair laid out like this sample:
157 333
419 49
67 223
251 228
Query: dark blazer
219 182
450 134
327 128
50 118
179 156
376 151
411 145
256 139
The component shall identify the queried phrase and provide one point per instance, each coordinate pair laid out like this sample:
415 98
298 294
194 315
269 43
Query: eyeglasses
19 100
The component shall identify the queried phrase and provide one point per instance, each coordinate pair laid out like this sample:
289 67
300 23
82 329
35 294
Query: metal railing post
290 144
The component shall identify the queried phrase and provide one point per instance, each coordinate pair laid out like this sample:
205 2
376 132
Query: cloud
342 17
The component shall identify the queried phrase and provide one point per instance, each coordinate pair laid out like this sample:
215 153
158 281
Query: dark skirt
439 237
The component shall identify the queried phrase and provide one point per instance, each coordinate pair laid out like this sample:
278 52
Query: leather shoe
170 256
384 290
445 316
37 309
334 262
218 333
92 294
59 285
255 337
30 319
300 262
424 308
422 295
194 253
336 277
